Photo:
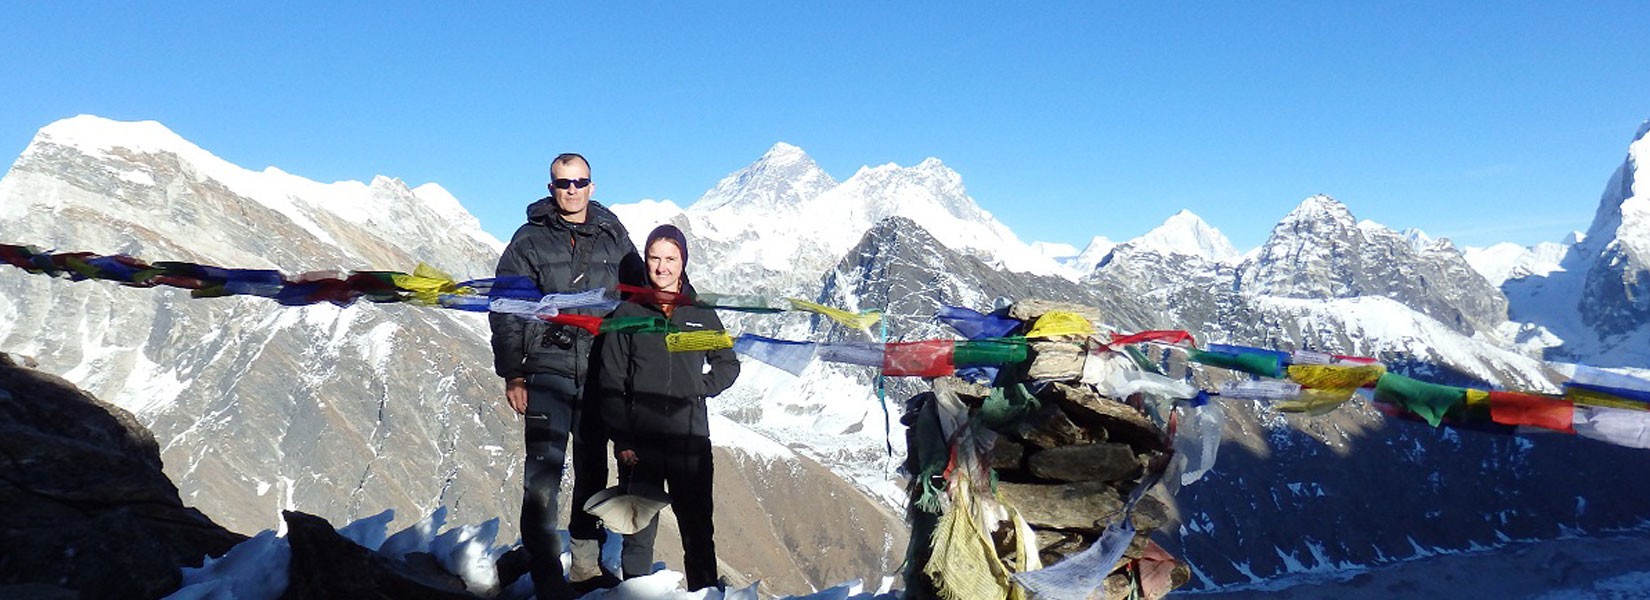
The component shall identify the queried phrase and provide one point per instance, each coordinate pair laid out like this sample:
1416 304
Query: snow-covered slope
1596 304
1505 261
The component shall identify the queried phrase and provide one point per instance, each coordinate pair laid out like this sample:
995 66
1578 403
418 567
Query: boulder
87 507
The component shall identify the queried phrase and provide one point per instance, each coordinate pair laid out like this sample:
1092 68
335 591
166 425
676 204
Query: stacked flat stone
1070 467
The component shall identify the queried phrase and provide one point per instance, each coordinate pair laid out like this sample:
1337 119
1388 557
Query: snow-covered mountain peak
94 135
1320 208
784 154
1186 233
784 178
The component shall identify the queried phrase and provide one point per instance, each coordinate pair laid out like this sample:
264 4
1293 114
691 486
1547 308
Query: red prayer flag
1165 336
1547 412
930 358
585 322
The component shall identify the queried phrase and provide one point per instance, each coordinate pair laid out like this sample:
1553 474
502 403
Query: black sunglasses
562 184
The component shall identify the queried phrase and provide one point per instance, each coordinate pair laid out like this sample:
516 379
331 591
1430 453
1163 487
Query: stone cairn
1068 466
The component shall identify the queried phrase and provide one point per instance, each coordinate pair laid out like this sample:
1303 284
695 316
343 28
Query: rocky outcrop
87 509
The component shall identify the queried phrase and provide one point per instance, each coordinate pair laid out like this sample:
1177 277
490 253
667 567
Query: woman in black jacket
653 402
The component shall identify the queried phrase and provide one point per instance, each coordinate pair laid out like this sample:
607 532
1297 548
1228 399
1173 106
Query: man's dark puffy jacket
561 257
647 391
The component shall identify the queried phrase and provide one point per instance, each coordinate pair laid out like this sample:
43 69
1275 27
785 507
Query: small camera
557 336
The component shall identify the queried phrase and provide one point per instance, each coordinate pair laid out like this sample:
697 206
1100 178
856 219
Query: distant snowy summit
138 161
783 211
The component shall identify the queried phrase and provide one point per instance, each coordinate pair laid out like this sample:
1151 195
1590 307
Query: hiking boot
587 560
603 580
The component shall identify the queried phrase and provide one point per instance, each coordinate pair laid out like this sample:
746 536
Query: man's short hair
567 158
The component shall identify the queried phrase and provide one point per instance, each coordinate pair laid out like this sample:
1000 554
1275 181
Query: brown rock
1055 546
1121 422
1150 514
1089 462
1007 457
1050 428
1085 506
1056 360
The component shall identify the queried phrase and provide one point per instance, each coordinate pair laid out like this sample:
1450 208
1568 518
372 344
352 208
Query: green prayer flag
1428 400
636 325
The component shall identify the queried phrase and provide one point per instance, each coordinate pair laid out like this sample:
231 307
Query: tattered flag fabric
509 286
990 352
585 322
1534 410
930 358
1123 383
1079 575
524 308
740 302
698 341
426 284
964 564
868 354
973 325
1100 361
637 324
791 357
1429 401
1326 387
1265 390
1621 427
1308 357
1615 397
463 302
1171 337
862 322
1254 363
1197 438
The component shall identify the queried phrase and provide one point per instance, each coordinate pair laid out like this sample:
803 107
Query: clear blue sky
1483 122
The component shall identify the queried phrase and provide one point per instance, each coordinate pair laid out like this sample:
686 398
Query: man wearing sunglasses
570 243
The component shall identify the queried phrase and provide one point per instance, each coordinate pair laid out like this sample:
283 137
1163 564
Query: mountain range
342 412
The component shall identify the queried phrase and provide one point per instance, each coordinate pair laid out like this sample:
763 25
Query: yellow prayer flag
1059 322
1588 397
426 284
698 341
852 320
964 563
1478 400
1326 387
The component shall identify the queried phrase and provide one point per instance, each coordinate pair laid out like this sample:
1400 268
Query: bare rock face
88 510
